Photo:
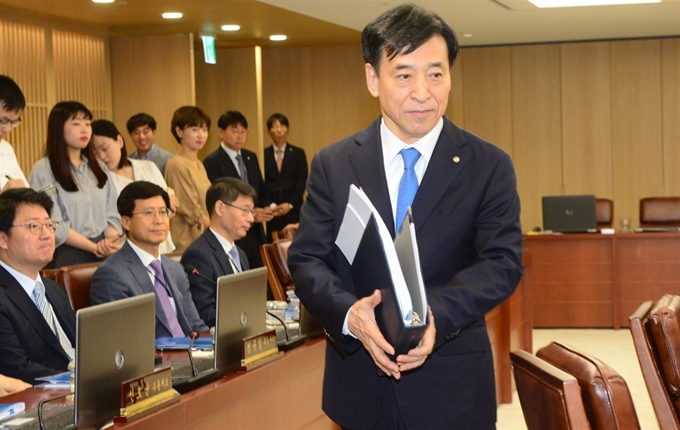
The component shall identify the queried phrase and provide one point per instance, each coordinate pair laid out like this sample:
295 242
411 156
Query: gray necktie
46 310
242 168
236 261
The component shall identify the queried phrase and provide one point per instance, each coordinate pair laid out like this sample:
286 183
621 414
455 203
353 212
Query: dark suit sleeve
312 257
203 292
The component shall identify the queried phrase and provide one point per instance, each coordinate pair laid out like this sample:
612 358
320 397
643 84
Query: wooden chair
660 212
550 397
604 209
656 335
605 395
283 234
76 279
275 258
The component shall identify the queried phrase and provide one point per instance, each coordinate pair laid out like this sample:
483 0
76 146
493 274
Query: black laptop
569 214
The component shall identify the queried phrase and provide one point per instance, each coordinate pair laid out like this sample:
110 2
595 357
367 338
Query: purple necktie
159 283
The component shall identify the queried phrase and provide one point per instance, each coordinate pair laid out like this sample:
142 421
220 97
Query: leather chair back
550 397
604 210
656 335
660 212
275 258
76 279
283 234
606 398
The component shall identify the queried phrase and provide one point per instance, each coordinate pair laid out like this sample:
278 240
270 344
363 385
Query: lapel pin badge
456 159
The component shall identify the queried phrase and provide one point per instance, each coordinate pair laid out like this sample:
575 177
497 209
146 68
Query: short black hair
281 118
11 199
232 117
139 190
140 120
228 190
402 30
11 97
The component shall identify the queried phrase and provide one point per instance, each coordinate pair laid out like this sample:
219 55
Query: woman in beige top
187 176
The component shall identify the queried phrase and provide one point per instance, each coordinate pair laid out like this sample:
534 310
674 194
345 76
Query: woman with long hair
82 190
109 147
186 174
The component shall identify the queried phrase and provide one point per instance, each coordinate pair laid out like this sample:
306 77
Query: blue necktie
408 186
235 260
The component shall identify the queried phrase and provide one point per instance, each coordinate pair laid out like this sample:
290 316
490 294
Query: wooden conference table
596 280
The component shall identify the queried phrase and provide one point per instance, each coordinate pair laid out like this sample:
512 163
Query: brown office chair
656 335
76 279
606 398
660 212
604 208
275 258
283 234
550 397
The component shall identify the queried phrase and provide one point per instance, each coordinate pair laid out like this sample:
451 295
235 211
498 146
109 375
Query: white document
357 214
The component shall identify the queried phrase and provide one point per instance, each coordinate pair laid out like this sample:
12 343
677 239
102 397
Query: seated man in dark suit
37 324
230 160
139 268
231 203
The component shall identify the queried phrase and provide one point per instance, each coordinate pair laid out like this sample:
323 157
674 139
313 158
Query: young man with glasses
12 103
37 324
231 203
139 268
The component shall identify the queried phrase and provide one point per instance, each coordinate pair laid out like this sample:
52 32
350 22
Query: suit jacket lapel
366 159
225 162
218 251
25 304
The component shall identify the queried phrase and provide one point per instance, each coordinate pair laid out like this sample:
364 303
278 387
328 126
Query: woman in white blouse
109 147
85 199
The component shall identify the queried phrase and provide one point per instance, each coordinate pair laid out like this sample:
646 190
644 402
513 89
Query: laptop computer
241 312
569 214
114 343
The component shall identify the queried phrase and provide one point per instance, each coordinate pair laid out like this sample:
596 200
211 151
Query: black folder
370 270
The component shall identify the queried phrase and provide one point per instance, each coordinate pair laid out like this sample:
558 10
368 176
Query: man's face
234 136
278 133
233 222
27 252
147 228
413 89
7 117
142 136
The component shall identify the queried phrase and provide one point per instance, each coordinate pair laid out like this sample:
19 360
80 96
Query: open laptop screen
114 343
569 214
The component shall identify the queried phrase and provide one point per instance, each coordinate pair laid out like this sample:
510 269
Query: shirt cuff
345 328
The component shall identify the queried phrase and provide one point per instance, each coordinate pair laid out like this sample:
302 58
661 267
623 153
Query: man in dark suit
285 174
466 215
230 160
139 268
231 203
37 324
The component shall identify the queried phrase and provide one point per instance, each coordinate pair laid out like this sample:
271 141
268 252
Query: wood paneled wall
154 75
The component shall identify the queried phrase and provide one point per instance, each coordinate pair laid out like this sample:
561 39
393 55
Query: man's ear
125 223
4 241
371 80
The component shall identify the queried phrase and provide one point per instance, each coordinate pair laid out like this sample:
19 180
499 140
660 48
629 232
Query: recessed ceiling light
575 3
231 27
103 1
172 15
278 37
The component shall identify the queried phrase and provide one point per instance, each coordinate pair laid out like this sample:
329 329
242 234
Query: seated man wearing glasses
139 268
231 203
37 324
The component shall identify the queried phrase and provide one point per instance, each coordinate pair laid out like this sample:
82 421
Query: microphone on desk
289 343
192 271
192 336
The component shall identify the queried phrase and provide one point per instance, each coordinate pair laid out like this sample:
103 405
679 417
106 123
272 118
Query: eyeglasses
37 227
245 211
151 213
4 122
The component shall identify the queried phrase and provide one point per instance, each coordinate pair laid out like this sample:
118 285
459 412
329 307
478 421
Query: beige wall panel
536 127
231 84
287 86
636 124
152 74
670 93
487 95
22 49
342 104
586 119
455 111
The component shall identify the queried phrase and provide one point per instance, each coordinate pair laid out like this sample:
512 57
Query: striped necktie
46 310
